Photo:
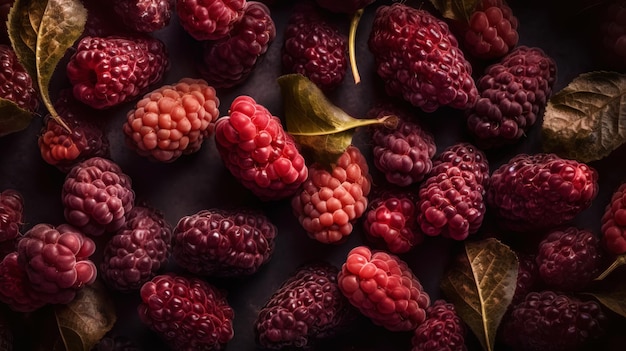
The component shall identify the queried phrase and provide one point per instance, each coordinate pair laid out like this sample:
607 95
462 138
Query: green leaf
12 117
85 320
459 10
613 298
481 284
316 123
586 120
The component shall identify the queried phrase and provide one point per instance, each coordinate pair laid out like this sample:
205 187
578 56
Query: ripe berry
541 191
443 330
16 84
11 214
258 152
229 61
429 73
16 290
138 251
314 47
384 289
209 19
527 277
466 157
97 195
308 306
224 242
329 202
172 120
145 16
108 71
491 31
187 312
614 222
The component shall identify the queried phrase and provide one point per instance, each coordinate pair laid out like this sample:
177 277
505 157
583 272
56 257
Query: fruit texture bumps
384 289
108 71
535 192
331 201
96 196
443 330
187 312
258 152
314 47
307 307
16 291
138 251
223 242
429 73
229 61
15 82
11 214
513 95
614 222
491 31
209 19
172 120
144 16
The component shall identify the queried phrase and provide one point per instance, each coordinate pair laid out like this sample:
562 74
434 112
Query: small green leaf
85 320
316 123
481 284
586 120
459 10
12 117
613 298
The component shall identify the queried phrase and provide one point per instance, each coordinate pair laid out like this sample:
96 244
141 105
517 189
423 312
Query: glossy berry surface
11 214
144 16
209 19
443 330
466 157
614 222
491 31
16 84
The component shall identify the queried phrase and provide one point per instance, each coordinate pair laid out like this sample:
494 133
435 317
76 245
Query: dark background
200 181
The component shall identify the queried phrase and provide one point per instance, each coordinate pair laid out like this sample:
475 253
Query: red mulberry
11 214
16 290
145 16
16 84
443 330
467 158
209 19
614 222
491 31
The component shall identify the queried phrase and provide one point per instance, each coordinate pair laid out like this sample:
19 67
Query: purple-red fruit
138 251
209 19
430 72
614 222
223 242
16 290
11 214
96 196
229 61
443 330
16 84
491 31
541 191
466 157
258 152
187 312
384 289
307 307
527 277
145 16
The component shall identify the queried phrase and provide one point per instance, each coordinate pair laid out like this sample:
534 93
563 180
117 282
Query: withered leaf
12 117
316 123
460 10
613 298
481 284
22 35
586 120
85 320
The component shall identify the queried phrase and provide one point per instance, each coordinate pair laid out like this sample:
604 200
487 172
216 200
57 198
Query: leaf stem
354 24
619 261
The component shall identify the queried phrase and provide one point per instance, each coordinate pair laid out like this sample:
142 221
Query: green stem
354 24
619 261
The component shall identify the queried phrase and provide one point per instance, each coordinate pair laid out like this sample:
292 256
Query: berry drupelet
11 214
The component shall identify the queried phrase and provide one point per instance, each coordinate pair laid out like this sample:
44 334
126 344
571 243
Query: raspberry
613 33
314 47
172 120
15 288
108 71
443 330
330 202
229 61
97 195
403 154
614 222
307 307
188 313
491 31
541 191
527 277
549 321
209 19
224 242
64 149
513 95
258 152
384 289
56 261
138 250
11 214
15 82
145 16
349 6
466 157
5 7
568 259
429 73
392 218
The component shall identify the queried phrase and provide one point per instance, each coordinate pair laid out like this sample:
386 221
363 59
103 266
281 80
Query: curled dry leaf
317 124
481 284
12 117
586 120
460 10
613 297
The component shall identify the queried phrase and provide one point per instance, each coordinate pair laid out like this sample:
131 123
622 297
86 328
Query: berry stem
619 261
354 24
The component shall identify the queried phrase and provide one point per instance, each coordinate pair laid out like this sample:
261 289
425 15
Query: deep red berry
384 289
307 307
527 277
443 330
224 242
16 84
614 222
491 31
16 290
209 19
329 202
145 16
11 214
429 73
258 152
188 313
466 157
